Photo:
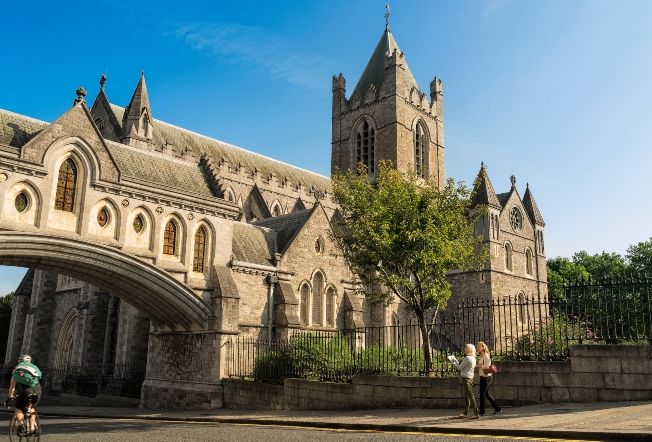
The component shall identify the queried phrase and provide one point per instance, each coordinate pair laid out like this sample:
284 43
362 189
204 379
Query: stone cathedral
246 234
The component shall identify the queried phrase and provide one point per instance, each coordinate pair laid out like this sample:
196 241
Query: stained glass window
103 217
21 202
200 249
65 199
170 239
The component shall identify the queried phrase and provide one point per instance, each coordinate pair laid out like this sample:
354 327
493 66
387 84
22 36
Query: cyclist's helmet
25 358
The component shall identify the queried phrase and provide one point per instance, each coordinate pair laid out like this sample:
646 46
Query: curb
534 433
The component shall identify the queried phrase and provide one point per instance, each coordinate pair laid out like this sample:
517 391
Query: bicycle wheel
13 430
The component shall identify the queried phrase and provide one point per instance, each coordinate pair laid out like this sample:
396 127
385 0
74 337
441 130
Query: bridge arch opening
155 293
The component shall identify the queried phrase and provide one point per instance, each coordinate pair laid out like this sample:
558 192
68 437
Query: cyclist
25 387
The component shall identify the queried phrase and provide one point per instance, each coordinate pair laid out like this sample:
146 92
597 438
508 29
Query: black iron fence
514 327
87 380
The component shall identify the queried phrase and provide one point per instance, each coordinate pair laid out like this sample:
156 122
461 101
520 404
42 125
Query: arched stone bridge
153 291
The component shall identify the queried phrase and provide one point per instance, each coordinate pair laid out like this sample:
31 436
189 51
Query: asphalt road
100 430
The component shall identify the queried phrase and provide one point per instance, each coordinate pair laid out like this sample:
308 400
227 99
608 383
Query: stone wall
594 373
182 371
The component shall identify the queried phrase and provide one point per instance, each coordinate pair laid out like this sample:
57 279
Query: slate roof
286 226
483 190
16 130
503 197
374 72
531 207
165 133
252 244
160 170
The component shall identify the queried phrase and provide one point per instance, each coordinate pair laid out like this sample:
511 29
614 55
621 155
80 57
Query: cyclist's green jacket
27 374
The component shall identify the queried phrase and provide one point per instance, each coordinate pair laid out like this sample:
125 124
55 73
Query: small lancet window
331 300
508 257
145 124
317 298
200 250
528 262
21 202
170 239
420 150
66 183
365 146
276 210
305 304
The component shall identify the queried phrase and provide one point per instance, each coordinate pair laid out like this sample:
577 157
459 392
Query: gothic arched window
508 257
276 210
200 250
305 304
170 239
317 289
528 262
365 146
522 307
145 124
420 150
331 301
66 184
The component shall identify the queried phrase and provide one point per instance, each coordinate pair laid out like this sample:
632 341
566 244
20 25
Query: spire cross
387 16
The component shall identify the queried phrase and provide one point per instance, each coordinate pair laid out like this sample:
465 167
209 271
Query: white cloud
234 43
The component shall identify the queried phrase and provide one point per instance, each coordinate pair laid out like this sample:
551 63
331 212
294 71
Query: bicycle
17 432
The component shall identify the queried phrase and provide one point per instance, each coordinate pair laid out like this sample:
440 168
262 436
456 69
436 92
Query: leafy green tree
561 270
602 265
640 257
401 235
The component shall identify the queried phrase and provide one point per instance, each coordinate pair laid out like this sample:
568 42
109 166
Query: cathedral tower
387 117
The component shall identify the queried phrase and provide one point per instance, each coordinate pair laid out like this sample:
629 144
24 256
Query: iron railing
514 327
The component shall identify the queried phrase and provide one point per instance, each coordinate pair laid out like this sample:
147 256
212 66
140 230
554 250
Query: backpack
28 375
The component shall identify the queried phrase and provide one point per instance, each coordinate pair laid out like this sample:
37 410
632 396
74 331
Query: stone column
38 321
132 339
18 316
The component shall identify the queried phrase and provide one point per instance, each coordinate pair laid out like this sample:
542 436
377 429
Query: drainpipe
271 281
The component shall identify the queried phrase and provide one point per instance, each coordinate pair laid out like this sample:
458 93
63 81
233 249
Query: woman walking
485 379
467 368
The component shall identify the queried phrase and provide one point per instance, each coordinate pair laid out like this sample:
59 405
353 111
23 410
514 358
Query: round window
515 219
21 202
139 224
103 217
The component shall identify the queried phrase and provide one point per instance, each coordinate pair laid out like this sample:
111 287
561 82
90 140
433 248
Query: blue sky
555 92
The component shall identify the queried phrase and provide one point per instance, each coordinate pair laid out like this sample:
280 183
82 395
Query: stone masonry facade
151 247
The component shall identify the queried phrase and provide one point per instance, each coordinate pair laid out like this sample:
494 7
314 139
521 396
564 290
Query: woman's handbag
492 369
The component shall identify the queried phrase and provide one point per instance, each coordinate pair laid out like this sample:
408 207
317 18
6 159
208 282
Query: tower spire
387 15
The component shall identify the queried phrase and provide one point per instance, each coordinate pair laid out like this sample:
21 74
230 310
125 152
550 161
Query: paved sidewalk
595 421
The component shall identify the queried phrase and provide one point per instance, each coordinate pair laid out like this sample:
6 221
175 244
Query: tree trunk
425 343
